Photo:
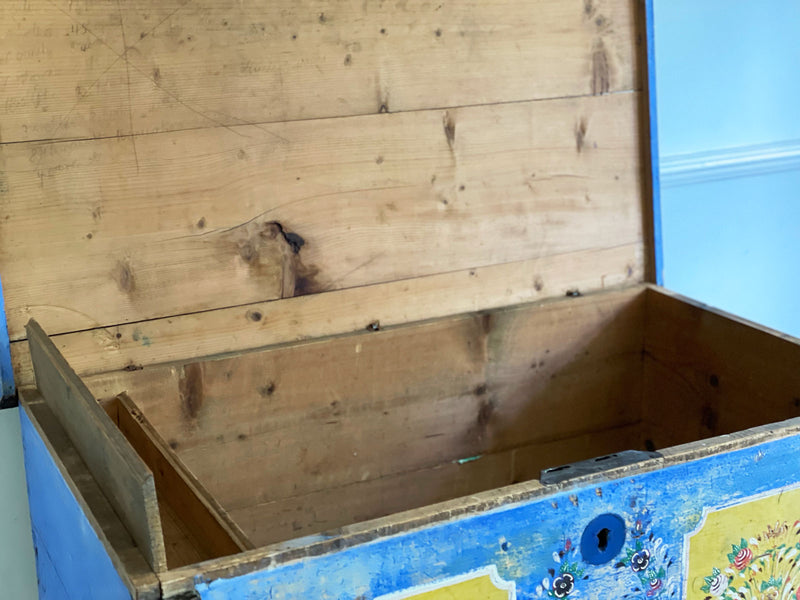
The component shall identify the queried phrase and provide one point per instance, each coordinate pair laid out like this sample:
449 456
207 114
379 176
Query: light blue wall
728 76
728 73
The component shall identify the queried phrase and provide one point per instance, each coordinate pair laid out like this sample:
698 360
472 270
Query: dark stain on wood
374 326
132 367
265 391
487 323
449 129
123 275
306 280
538 284
580 134
201 223
191 390
709 418
480 390
588 8
601 72
485 413
254 315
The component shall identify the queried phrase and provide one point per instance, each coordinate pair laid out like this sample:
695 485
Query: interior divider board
720 373
321 206
124 478
117 353
470 385
98 68
328 509
209 524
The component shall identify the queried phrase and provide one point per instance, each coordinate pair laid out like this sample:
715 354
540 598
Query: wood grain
115 352
708 373
205 525
332 508
308 417
101 68
208 218
120 473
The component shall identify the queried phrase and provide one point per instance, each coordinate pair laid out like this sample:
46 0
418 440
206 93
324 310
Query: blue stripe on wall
655 170
6 372
69 555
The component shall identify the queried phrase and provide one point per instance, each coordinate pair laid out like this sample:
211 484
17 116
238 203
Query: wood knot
123 275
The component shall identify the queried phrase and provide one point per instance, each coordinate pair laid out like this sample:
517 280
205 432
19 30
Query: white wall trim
729 163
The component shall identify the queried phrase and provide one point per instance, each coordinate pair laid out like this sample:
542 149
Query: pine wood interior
308 437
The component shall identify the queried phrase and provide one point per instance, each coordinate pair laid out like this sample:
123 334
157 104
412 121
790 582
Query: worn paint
69 555
6 373
535 544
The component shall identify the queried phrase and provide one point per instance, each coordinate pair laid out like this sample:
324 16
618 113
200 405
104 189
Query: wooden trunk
354 300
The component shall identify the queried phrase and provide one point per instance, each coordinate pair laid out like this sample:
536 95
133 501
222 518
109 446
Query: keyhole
602 539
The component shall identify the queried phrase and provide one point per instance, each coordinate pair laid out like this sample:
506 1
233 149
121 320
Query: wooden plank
99 68
326 510
119 472
323 414
102 535
372 199
180 494
175 339
708 373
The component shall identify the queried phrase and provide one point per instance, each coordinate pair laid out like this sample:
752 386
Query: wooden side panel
707 373
121 474
211 218
180 495
93 68
72 562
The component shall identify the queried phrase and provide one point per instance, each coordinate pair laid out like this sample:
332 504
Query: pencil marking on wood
128 85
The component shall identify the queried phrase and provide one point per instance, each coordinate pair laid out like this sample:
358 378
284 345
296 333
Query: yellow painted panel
484 584
747 551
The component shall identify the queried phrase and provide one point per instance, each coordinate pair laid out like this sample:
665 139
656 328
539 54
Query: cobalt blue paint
535 544
69 555
6 372
603 539
658 253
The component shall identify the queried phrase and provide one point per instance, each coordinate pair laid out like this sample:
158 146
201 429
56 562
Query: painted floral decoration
766 567
647 559
563 580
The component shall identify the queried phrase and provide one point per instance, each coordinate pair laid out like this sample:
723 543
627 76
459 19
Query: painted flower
769 594
717 583
654 587
743 558
563 585
640 560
